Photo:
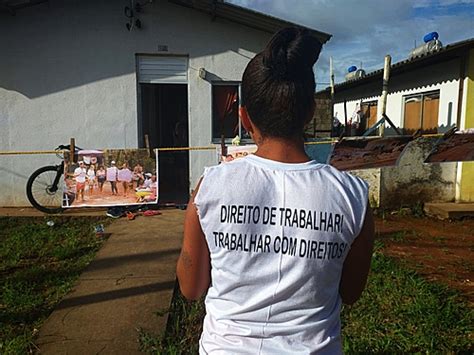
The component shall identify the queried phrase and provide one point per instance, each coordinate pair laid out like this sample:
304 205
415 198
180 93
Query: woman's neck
284 150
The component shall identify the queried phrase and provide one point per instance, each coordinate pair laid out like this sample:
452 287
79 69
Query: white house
110 72
431 92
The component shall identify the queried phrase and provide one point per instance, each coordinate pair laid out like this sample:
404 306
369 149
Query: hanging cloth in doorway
226 98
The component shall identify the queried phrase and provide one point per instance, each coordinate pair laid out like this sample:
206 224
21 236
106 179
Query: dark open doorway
164 118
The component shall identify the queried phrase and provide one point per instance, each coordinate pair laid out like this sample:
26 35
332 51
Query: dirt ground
439 250
105 198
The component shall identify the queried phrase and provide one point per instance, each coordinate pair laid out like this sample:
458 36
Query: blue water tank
430 36
351 69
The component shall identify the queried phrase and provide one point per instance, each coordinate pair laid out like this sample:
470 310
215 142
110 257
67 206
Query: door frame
140 133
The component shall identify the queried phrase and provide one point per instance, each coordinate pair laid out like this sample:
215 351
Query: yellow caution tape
31 152
170 149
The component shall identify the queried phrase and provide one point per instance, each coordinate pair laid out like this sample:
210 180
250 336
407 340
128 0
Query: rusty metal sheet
368 152
452 148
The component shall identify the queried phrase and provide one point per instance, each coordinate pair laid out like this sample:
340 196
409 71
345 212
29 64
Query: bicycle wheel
42 193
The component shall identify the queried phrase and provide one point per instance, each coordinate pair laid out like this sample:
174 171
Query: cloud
339 17
455 2
366 30
440 3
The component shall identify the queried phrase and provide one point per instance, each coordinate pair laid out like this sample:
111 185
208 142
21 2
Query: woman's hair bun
291 52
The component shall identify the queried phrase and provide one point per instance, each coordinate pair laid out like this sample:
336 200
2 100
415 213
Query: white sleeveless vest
278 235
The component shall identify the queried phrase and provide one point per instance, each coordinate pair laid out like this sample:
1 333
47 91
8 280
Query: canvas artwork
235 152
456 147
367 152
110 177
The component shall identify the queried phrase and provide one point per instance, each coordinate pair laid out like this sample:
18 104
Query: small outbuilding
430 92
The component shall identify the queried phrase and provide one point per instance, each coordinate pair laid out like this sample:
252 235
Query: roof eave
449 52
246 17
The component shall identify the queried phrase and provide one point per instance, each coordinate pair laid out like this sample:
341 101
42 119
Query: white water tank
425 48
432 44
357 74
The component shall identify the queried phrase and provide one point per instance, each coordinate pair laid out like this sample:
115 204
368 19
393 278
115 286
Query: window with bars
421 112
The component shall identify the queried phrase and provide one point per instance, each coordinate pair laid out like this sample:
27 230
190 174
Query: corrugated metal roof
246 17
448 52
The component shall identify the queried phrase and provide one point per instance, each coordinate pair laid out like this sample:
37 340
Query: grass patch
38 266
399 312
399 236
183 329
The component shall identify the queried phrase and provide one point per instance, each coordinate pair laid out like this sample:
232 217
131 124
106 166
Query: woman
101 177
276 240
112 177
137 176
91 179
125 177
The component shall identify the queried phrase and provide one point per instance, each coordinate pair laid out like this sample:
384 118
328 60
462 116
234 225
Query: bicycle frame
59 173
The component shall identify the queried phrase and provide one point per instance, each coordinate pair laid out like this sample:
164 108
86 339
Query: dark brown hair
278 84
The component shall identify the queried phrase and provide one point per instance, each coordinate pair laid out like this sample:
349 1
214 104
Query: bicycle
45 187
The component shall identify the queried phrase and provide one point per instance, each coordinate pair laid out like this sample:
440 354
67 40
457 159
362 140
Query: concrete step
449 210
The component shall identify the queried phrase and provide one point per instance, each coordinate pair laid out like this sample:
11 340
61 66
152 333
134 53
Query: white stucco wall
443 77
372 177
68 69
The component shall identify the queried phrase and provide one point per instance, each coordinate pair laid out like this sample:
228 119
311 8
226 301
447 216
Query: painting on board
319 150
235 152
110 177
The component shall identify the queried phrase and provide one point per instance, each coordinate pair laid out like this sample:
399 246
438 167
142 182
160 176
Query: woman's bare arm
357 263
194 265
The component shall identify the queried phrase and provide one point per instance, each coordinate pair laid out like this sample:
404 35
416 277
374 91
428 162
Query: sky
364 31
